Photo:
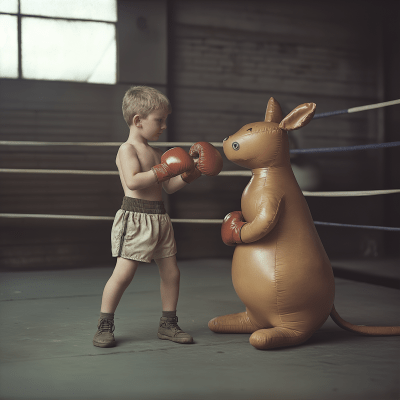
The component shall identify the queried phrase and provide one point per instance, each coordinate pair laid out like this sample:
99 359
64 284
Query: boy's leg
169 289
122 276
169 284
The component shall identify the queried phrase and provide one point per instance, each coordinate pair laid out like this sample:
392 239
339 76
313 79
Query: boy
142 230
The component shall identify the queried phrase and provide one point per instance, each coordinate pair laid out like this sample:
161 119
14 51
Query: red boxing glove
231 227
210 161
173 162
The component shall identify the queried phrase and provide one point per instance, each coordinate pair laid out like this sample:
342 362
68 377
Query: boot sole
176 340
97 344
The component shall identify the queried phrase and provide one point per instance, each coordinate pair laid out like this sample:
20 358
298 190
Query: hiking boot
170 330
104 336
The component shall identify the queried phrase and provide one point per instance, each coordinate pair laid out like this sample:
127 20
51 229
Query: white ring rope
96 144
88 172
223 173
53 216
56 171
351 193
98 218
181 220
372 106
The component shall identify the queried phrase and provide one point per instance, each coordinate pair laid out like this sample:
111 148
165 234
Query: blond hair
142 100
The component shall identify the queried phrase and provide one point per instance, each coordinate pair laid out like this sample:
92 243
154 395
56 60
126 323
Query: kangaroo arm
267 216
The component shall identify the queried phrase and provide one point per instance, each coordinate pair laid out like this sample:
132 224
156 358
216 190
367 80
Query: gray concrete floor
49 319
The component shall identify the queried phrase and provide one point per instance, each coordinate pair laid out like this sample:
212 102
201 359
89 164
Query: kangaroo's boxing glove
209 163
231 227
173 162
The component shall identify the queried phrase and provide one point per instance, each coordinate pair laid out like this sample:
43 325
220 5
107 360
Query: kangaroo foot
272 338
232 323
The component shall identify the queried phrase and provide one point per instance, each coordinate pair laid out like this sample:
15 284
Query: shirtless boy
142 230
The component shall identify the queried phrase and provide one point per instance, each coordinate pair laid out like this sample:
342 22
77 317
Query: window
66 40
8 46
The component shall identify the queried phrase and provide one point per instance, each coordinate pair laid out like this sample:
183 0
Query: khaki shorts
142 231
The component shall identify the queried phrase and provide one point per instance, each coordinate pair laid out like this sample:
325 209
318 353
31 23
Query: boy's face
154 125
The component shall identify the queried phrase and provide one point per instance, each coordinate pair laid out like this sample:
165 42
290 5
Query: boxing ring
221 174
46 342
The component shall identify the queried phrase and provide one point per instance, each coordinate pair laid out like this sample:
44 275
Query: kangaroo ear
274 112
298 117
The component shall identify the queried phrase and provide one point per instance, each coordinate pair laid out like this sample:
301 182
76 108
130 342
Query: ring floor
49 319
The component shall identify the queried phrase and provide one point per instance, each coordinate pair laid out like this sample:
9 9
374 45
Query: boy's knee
122 280
172 275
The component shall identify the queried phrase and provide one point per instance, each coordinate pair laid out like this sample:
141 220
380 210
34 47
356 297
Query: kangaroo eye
235 146
250 129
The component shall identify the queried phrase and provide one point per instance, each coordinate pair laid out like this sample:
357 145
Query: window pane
8 47
103 10
68 50
9 6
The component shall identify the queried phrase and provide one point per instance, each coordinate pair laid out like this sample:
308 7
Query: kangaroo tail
362 329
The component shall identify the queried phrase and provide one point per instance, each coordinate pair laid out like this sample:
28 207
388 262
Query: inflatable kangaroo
280 269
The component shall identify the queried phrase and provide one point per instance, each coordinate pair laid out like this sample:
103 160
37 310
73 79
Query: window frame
19 16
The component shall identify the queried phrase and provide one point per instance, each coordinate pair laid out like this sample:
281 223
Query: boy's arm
134 178
174 184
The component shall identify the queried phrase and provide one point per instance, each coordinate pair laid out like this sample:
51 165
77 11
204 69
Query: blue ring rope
345 148
380 228
330 113
357 109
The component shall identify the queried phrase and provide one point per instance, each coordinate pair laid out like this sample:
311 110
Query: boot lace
106 325
173 323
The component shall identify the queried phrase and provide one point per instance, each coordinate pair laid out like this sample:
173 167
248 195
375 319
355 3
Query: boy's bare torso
147 157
